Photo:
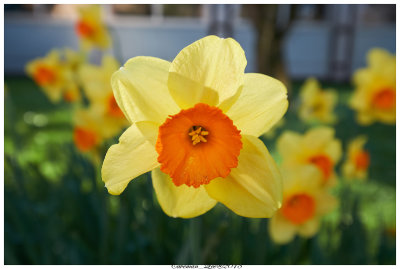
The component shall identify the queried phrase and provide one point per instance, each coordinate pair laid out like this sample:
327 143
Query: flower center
299 208
362 160
113 108
197 145
324 164
198 134
385 99
44 75
84 139
85 29
317 107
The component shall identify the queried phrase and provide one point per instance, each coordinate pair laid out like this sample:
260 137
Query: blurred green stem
194 237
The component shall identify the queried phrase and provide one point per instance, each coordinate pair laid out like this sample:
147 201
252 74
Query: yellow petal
209 71
309 228
281 230
182 201
149 130
288 144
254 188
348 169
378 58
362 76
309 90
317 138
303 178
96 79
140 89
334 150
109 65
132 156
357 144
262 103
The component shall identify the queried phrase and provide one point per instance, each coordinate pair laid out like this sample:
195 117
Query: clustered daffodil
305 201
194 124
97 87
375 94
317 104
317 147
91 29
357 159
88 131
62 73
52 75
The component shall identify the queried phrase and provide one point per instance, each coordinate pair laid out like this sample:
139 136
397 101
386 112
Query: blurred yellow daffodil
74 59
375 94
72 93
357 161
96 82
304 203
52 75
71 61
317 104
91 29
87 133
195 124
317 147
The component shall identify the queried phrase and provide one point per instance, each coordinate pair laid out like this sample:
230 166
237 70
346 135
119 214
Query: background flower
305 201
357 159
374 98
96 83
91 29
51 75
317 104
317 147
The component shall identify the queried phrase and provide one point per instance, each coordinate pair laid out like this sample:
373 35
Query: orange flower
85 139
317 104
51 75
304 203
374 98
91 30
317 147
357 161
88 131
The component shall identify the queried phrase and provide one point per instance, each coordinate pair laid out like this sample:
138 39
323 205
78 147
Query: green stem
194 237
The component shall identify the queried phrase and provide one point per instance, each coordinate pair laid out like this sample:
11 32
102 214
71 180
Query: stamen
197 134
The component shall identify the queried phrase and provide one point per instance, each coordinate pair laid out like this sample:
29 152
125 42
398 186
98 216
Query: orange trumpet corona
197 145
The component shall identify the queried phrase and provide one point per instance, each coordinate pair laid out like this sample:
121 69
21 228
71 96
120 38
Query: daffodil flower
357 161
317 147
317 104
51 74
96 85
195 124
375 94
91 29
88 128
304 203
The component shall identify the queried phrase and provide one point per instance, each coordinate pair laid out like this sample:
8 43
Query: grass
57 211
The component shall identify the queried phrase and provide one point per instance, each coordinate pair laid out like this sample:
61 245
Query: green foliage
57 211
